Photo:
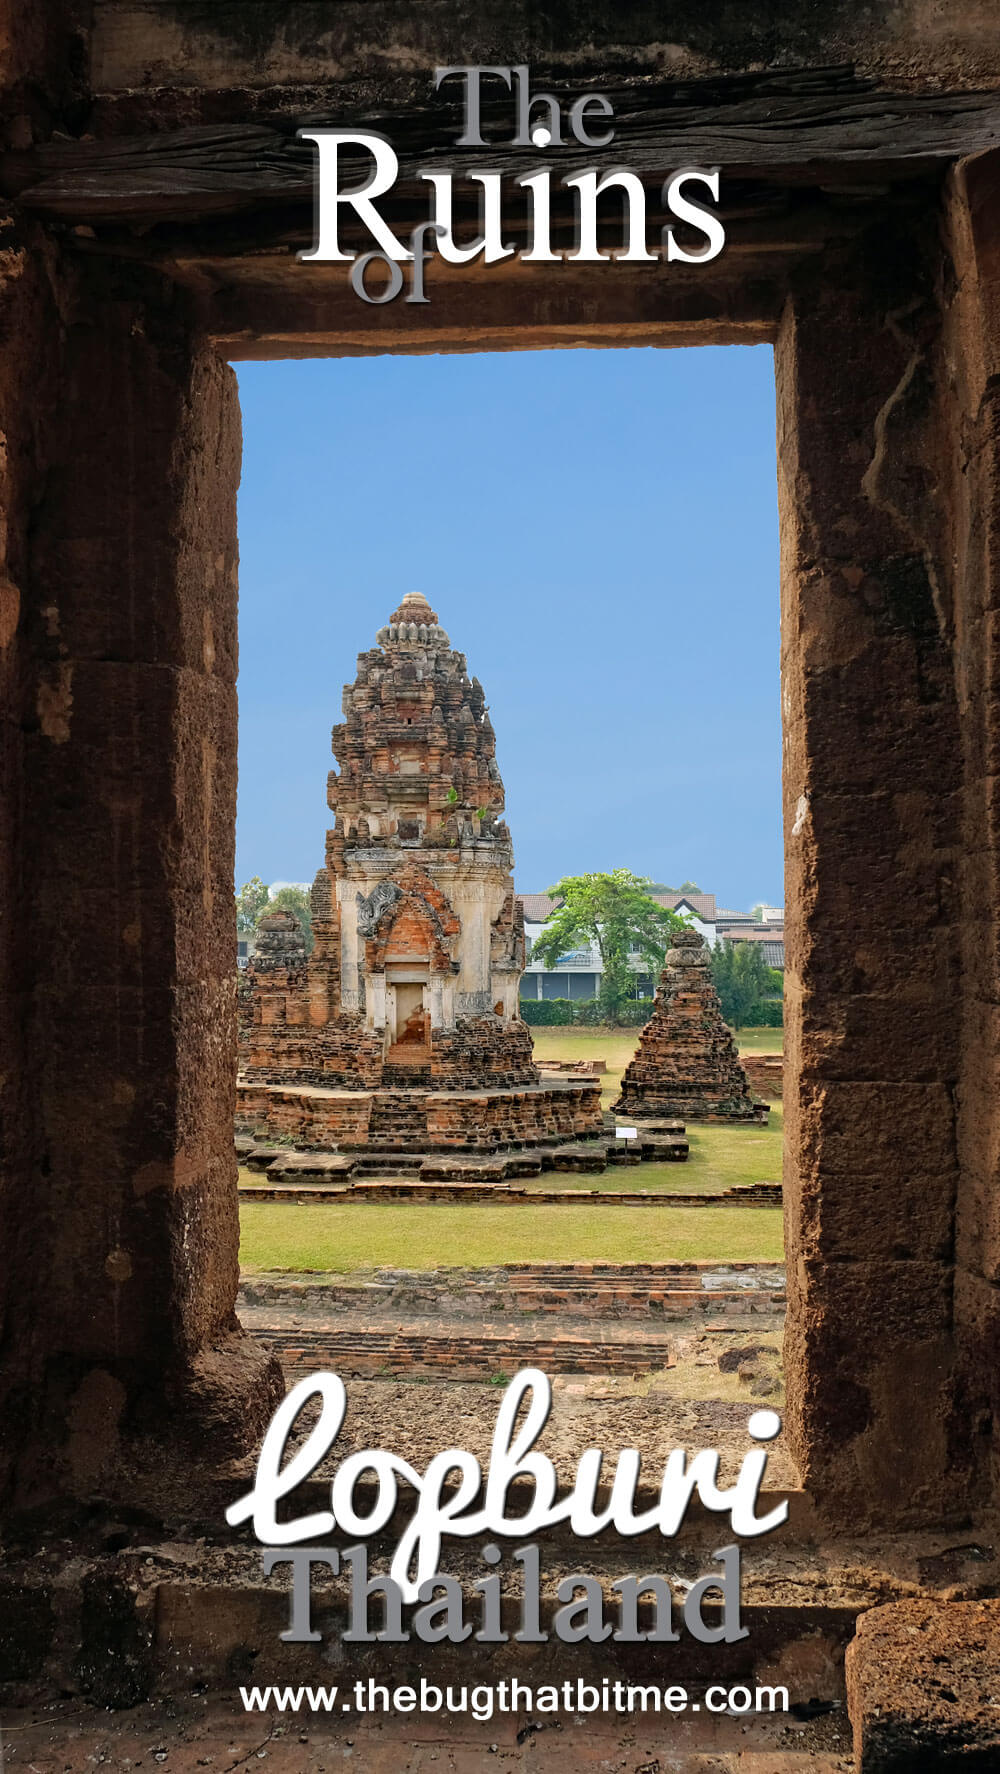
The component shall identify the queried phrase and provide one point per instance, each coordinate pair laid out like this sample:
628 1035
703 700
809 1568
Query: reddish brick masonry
414 978
686 1062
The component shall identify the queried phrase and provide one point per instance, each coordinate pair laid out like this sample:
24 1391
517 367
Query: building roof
537 907
702 904
774 954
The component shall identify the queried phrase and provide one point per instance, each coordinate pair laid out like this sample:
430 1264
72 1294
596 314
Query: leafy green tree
665 887
742 978
297 900
614 912
250 902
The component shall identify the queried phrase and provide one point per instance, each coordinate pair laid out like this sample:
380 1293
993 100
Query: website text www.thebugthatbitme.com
485 1701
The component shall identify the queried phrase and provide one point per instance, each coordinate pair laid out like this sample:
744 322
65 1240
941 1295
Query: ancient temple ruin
686 1062
402 1028
156 198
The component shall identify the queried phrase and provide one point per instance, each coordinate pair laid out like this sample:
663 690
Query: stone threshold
157 1615
190 1733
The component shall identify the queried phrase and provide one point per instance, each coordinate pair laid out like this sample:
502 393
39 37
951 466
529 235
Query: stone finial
687 949
414 608
413 624
687 939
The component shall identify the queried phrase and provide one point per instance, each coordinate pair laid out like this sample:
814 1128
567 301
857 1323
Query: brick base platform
474 1324
402 1121
498 1194
297 1159
766 1073
358 1349
599 1290
471 1167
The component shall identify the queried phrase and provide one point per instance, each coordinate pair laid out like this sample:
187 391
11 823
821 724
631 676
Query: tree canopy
742 978
251 901
665 887
297 900
613 912
255 900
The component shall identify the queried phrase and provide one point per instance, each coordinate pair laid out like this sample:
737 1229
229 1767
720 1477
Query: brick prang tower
413 983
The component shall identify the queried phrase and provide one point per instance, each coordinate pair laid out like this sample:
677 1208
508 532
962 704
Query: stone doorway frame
118 617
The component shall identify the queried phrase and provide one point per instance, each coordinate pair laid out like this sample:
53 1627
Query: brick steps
360 1350
374 1164
599 1291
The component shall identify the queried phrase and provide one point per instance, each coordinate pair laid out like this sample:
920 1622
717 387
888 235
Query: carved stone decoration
372 907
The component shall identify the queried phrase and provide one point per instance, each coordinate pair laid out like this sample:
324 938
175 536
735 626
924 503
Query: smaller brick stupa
686 1063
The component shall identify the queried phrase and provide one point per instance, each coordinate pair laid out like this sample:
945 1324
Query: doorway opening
627 642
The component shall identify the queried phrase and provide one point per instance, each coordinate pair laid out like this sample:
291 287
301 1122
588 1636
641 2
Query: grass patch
402 1236
760 1040
721 1157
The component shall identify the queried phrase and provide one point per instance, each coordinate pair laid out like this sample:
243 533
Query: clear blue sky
597 531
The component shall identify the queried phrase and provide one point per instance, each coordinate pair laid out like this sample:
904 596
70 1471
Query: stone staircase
372 1163
398 1120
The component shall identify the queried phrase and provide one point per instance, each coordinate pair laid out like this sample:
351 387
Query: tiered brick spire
416 746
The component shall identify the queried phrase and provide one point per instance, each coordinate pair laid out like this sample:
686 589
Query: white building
577 973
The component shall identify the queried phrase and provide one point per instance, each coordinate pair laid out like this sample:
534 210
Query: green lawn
720 1158
760 1040
402 1236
